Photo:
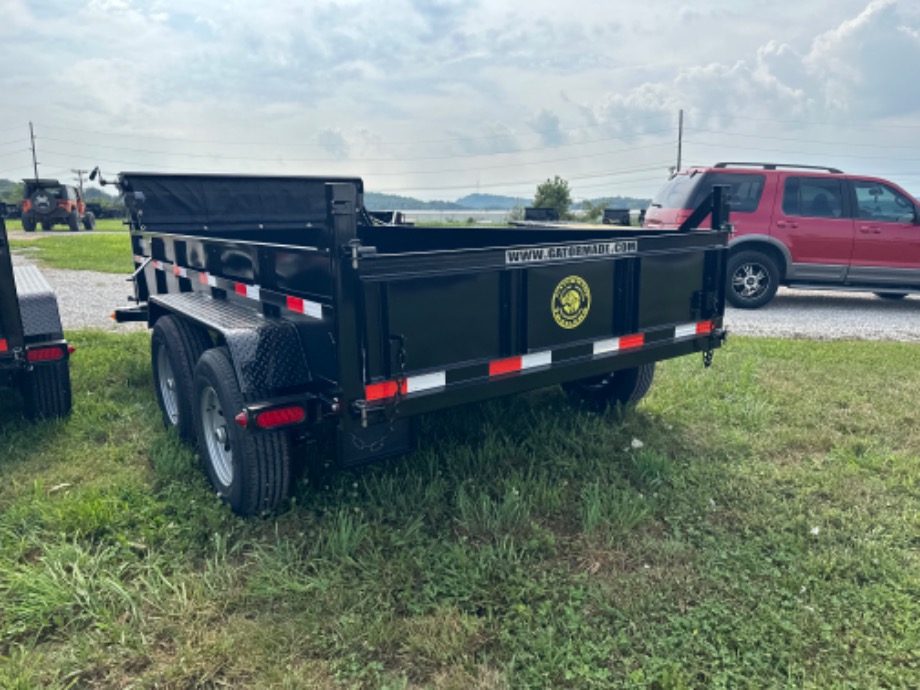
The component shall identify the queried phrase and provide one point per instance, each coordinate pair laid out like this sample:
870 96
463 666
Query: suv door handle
783 224
869 229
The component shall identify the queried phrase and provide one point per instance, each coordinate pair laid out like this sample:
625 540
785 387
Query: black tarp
193 202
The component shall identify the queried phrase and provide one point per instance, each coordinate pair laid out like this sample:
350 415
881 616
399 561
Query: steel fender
740 242
266 352
37 304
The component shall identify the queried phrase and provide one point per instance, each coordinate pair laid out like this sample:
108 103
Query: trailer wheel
623 387
175 347
46 390
248 470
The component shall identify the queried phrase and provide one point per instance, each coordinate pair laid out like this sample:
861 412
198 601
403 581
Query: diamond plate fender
266 352
37 304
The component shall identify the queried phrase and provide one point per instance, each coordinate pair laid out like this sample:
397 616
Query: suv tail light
26 205
46 354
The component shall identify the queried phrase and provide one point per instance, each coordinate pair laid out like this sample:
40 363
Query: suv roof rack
774 166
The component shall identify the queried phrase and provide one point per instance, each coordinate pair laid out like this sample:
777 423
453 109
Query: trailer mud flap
358 444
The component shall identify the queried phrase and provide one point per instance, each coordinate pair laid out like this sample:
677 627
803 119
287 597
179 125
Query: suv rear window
688 191
746 190
677 191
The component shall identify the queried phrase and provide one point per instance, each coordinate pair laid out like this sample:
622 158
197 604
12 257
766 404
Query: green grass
102 225
89 252
765 535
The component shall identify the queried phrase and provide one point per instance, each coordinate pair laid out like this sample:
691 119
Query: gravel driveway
87 299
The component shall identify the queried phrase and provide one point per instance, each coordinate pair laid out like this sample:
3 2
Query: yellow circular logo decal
571 302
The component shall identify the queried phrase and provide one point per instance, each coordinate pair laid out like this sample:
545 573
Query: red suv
805 227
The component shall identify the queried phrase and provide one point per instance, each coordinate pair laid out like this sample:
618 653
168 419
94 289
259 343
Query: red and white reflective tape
626 342
180 271
412 384
305 306
244 290
691 330
207 279
513 364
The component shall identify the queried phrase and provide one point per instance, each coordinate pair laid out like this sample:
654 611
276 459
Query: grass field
102 225
755 525
89 252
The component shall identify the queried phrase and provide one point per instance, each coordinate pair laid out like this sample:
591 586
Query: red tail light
3 346
45 354
26 205
281 416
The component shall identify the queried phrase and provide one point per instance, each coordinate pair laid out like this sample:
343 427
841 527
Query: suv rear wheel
28 222
753 279
73 221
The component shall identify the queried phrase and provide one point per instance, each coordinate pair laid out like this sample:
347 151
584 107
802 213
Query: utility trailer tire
623 387
175 347
248 470
46 390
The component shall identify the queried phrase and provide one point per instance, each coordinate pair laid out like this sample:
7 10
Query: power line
828 155
804 141
276 159
412 142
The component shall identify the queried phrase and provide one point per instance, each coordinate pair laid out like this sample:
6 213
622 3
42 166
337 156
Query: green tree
593 212
555 194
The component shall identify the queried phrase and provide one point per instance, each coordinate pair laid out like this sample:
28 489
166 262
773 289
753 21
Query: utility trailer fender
328 322
34 356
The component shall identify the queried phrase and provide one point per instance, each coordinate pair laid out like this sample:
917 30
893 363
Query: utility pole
34 160
80 174
680 136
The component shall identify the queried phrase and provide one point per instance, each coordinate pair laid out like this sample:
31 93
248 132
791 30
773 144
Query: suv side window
745 194
876 201
813 197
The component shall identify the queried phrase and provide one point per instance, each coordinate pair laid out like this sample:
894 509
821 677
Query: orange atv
50 202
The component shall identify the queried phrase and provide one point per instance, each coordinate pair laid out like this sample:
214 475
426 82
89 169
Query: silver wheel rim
167 383
750 281
216 436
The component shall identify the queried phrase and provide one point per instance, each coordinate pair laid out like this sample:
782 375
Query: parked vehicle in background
33 353
282 313
49 202
805 227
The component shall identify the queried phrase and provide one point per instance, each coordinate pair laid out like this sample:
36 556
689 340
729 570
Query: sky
440 98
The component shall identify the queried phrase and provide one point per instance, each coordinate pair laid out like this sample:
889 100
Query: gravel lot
87 299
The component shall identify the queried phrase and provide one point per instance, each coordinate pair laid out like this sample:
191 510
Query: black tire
28 222
623 387
73 221
250 471
181 344
89 221
47 225
891 295
46 391
753 278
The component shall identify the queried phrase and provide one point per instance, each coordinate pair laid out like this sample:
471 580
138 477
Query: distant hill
492 202
375 201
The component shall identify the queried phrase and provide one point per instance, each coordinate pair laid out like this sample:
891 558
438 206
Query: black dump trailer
281 311
34 357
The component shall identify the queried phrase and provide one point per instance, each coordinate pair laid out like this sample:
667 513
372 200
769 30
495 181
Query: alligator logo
571 302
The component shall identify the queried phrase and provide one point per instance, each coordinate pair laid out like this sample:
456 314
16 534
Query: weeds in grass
763 535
